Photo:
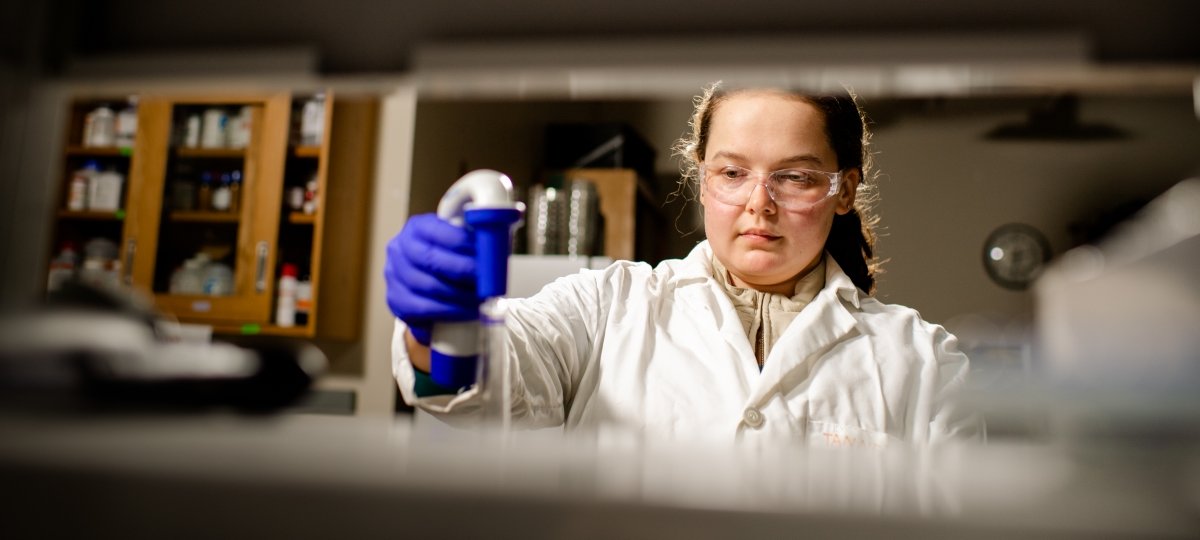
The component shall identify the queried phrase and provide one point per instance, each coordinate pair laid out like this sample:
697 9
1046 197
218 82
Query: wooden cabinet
161 233
215 209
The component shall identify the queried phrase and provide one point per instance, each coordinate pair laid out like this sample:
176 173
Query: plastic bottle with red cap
285 306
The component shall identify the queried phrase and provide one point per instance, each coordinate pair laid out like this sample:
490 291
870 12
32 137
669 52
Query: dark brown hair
851 241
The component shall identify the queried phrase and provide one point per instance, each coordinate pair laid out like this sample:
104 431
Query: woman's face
764 246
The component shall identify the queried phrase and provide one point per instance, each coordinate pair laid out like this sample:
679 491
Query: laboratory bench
302 476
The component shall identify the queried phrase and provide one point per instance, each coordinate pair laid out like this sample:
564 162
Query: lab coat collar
820 324
698 266
837 280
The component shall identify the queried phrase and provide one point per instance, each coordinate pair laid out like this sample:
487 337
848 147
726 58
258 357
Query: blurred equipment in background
587 203
1055 119
1015 254
565 219
598 145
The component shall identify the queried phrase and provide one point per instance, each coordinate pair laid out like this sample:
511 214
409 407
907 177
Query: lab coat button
753 418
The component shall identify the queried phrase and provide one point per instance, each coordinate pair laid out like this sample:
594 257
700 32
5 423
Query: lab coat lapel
709 296
821 324
697 289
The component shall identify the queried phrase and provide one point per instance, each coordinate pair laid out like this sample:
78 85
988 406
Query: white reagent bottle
285 306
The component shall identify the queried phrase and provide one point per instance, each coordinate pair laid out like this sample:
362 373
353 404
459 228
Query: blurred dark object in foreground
91 349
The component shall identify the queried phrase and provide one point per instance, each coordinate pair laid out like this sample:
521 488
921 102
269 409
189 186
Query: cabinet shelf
96 215
300 218
197 216
187 152
100 151
306 151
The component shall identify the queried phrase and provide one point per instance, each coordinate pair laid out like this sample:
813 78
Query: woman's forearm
417 354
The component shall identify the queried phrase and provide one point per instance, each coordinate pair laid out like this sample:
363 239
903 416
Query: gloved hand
430 275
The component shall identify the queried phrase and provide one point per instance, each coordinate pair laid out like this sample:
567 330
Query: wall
393 188
945 188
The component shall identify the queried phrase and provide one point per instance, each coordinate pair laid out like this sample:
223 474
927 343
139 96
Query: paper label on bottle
220 198
77 197
212 134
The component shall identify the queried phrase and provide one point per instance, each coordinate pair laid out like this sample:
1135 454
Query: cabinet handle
130 250
260 273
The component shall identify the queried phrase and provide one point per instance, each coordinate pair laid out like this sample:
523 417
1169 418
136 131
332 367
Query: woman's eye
733 174
795 177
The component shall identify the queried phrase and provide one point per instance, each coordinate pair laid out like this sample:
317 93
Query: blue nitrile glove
430 275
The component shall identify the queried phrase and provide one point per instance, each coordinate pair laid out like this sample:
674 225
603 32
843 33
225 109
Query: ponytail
851 240
853 247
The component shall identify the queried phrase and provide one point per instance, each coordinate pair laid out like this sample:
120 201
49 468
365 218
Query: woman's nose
760 199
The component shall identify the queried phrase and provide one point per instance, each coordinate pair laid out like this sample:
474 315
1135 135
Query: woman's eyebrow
809 158
799 158
729 155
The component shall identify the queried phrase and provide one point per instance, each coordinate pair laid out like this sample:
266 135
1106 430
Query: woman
767 329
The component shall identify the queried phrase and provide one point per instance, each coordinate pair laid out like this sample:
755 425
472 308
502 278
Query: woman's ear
849 191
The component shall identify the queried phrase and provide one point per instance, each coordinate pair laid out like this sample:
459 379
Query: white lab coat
661 352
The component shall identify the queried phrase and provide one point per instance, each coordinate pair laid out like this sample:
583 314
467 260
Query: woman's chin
759 272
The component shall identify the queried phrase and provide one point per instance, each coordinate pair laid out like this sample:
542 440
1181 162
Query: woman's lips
758 234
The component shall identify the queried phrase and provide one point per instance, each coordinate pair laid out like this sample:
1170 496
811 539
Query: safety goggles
790 188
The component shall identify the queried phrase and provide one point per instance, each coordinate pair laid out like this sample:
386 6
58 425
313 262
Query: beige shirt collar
765 316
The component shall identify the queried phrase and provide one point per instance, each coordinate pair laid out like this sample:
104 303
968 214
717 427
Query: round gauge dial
1015 254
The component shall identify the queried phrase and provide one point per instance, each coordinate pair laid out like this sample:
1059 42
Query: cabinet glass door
88 222
204 223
